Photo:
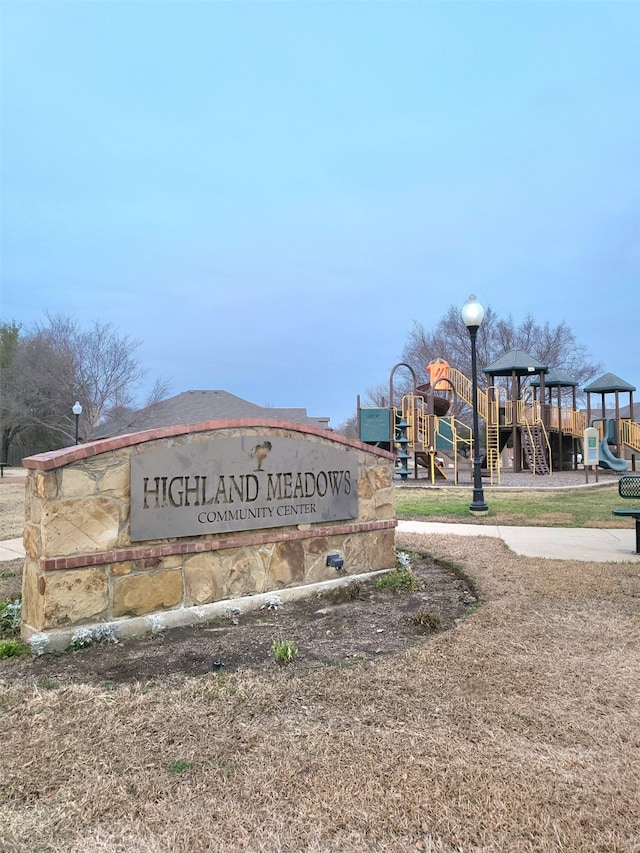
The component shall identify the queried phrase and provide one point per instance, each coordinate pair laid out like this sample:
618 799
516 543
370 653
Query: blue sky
268 194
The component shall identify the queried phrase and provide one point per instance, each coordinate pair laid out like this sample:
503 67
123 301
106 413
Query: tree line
46 368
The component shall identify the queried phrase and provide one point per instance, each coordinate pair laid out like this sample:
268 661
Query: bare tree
554 346
126 415
9 423
348 428
103 368
57 362
32 384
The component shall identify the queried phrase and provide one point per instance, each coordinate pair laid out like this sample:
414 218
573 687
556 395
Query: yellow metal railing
412 410
507 419
489 410
464 389
455 441
494 462
567 421
630 434
574 423
528 412
503 410
459 429
424 430
545 435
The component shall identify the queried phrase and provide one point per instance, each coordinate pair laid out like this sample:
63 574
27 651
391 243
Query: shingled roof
192 407
515 361
555 380
607 384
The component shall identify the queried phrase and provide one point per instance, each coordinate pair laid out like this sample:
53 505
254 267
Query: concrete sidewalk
11 549
556 543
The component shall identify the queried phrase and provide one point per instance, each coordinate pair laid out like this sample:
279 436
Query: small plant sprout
351 592
10 616
233 614
425 619
39 643
403 560
179 766
400 580
156 624
227 768
81 638
199 613
12 648
107 633
283 651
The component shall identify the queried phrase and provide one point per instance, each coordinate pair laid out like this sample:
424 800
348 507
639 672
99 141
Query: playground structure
526 408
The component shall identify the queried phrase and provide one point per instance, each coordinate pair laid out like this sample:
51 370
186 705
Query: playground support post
472 315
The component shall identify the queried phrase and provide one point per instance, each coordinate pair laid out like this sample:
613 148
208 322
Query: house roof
608 383
515 361
624 412
192 407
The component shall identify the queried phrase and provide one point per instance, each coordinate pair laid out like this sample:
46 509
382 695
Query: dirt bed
356 622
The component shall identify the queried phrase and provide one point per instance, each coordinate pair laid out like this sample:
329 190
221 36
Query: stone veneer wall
81 568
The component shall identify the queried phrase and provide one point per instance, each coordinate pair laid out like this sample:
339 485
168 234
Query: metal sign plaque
244 483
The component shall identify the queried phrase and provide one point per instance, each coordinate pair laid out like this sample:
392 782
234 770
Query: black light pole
77 411
472 316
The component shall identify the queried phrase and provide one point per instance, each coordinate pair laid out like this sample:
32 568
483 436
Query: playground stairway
533 447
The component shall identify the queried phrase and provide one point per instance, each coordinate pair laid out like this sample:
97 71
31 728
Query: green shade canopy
607 384
515 361
555 380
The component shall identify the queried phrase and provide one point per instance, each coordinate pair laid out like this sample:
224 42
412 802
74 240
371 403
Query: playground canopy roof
607 384
517 362
555 380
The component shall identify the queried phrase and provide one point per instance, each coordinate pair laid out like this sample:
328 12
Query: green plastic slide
607 458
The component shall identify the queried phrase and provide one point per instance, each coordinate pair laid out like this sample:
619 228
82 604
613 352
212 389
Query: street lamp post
472 315
77 411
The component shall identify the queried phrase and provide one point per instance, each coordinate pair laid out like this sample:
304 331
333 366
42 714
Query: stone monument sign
173 524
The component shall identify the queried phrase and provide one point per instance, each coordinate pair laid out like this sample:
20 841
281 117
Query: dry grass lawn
11 509
518 730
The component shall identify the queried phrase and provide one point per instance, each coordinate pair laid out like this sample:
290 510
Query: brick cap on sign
151 554
65 456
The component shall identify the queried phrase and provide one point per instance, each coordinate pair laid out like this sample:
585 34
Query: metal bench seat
629 488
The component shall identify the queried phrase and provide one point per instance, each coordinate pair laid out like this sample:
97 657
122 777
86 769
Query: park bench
629 487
